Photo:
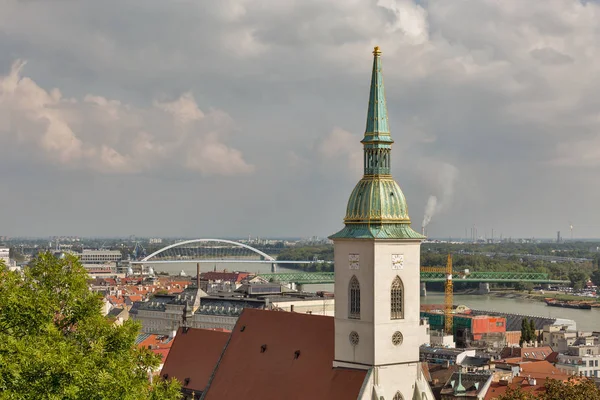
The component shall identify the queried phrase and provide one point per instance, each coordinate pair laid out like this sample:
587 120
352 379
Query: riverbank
541 296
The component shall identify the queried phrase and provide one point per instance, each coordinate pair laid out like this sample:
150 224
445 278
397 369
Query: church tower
377 263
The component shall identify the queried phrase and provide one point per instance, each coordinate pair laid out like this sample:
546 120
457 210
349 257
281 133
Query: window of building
397 299
398 396
354 298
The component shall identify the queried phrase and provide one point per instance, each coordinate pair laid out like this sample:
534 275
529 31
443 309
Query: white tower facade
377 270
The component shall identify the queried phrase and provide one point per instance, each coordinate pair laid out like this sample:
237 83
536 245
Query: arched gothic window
397 299
398 396
354 298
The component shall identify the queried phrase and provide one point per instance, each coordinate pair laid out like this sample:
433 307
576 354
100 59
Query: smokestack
198 275
196 304
423 230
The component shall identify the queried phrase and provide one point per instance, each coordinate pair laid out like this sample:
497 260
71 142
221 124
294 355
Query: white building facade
377 258
581 360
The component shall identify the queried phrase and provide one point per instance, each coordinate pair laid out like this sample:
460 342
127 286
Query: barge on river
566 304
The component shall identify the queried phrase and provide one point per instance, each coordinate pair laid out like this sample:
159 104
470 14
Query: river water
586 320
190 268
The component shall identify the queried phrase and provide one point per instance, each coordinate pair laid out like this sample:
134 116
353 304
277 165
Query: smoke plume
430 209
447 180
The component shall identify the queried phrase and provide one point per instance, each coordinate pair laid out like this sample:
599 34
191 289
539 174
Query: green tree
578 279
55 343
596 277
532 334
516 394
526 286
573 389
527 331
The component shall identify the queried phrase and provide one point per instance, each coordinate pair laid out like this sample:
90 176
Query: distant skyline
236 118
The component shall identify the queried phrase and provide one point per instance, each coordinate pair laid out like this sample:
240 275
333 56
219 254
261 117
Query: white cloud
409 18
211 157
505 91
107 136
341 150
184 109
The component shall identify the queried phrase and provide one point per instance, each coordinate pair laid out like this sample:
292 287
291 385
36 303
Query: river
586 320
190 268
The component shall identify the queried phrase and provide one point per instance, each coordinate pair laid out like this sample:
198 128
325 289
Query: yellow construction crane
448 292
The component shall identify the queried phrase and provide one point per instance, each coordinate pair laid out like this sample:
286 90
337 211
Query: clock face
353 261
397 261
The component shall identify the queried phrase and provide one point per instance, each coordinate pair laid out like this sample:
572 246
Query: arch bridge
206 250
210 251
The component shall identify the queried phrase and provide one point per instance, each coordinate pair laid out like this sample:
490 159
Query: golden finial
376 51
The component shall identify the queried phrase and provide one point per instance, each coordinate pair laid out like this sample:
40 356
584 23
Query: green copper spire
377 141
377 118
459 388
377 207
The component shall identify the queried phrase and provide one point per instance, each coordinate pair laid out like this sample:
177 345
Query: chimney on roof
198 274
196 304
532 382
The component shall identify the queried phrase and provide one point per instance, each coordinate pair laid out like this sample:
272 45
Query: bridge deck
477 277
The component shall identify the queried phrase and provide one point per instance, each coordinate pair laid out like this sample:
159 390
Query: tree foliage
573 389
308 253
578 279
596 277
528 333
55 343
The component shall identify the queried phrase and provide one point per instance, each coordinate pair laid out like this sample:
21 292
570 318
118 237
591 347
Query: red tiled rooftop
224 276
194 354
247 372
536 353
163 353
496 389
114 300
540 370
552 357
154 341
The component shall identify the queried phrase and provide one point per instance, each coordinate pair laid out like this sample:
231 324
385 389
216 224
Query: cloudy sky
231 118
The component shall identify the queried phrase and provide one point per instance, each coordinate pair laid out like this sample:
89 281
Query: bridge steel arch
265 255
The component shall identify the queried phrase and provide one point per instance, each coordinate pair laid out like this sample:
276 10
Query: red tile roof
163 353
114 300
552 357
296 364
542 369
154 341
530 353
193 355
224 276
539 370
